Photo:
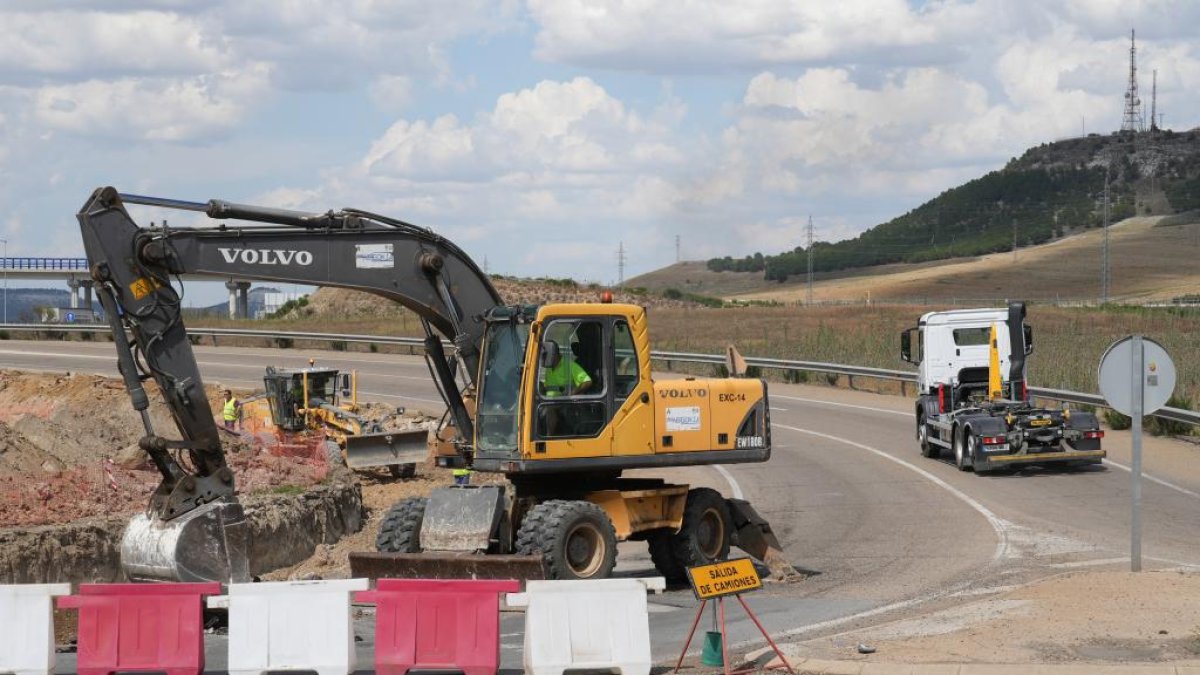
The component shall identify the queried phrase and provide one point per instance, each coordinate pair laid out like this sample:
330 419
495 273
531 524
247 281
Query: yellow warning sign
142 287
724 578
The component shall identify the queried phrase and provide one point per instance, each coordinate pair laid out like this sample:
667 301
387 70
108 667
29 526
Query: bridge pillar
244 299
73 283
239 299
87 284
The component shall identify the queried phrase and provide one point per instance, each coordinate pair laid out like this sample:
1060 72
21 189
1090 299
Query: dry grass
1068 342
1149 262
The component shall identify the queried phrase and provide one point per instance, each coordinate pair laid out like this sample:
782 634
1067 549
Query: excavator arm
136 270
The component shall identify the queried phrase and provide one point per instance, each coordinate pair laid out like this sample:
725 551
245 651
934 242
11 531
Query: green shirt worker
566 376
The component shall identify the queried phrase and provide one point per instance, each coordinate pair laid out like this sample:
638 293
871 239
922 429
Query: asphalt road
884 531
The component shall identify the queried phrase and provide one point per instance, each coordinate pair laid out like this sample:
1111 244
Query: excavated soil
68 450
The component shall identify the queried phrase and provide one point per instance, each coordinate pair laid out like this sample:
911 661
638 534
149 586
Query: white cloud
151 109
573 127
392 93
83 45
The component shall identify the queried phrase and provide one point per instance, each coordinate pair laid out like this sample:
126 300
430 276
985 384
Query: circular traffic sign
1117 381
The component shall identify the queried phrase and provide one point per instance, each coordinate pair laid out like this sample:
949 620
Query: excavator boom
194 527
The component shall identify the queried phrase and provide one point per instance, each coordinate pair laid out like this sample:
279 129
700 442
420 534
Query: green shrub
1164 427
1117 421
284 343
338 345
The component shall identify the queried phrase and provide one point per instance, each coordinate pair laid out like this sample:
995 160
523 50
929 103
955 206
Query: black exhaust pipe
1016 360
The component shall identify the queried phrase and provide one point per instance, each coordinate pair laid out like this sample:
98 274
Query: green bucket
712 656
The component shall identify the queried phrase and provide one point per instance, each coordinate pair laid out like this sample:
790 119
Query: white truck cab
972 399
951 348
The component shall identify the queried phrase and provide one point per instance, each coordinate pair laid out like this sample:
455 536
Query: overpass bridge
75 272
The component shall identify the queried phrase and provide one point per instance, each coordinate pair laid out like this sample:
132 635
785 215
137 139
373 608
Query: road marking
22 352
1089 563
733 484
1146 476
1154 479
842 405
409 398
998 524
779 409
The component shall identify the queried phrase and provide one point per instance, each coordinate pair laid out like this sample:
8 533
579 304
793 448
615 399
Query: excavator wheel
576 539
706 532
403 470
400 531
662 552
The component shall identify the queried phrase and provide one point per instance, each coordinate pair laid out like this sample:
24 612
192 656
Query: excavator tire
662 552
400 531
403 470
706 532
576 539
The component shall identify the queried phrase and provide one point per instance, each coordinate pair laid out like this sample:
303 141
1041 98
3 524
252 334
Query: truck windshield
499 389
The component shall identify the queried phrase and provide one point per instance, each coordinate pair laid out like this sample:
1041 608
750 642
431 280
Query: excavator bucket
387 448
445 566
753 534
208 543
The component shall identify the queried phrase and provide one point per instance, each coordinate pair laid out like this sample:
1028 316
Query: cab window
573 396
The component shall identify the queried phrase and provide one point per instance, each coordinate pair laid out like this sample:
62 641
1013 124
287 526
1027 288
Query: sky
541 135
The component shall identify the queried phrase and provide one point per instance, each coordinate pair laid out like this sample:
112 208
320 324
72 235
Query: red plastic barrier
437 624
139 627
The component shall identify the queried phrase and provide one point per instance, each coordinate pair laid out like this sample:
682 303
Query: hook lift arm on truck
558 398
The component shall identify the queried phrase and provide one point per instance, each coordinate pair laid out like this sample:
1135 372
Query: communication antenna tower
1132 120
1154 102
678 248
810 260
1104 274
620 264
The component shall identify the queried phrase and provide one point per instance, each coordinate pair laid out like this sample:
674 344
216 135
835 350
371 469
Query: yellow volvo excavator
557 398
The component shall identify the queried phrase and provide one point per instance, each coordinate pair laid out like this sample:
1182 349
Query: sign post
716 582
1136 377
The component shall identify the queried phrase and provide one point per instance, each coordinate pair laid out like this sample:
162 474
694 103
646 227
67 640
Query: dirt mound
68 450
341 303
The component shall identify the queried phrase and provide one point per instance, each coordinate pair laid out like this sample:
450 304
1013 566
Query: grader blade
445 566
752 533
387 448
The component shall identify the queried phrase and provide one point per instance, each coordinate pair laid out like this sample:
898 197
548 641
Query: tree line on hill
1049 192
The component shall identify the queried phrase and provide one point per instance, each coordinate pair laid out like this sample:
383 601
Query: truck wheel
706 531
663 554
960 450
927 449
575 538
403 470
400 531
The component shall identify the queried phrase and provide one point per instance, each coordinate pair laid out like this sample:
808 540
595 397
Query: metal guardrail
907 376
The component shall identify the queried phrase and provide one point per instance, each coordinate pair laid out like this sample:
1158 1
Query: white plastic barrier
587 624
27 627
291 625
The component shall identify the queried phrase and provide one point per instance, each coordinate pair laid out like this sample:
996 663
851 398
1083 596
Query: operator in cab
566 377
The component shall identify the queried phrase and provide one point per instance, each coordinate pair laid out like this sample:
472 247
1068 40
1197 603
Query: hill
1050 192
1152 260
340 303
